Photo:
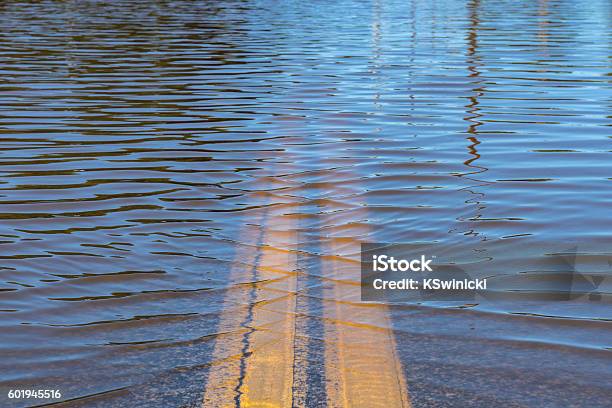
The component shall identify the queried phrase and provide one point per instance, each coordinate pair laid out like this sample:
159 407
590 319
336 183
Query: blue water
144 144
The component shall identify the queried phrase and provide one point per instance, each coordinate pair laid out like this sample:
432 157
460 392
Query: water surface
145 145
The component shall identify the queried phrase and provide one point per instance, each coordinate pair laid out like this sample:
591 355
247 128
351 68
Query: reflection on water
145 145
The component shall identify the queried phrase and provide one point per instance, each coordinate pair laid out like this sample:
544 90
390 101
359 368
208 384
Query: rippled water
145 146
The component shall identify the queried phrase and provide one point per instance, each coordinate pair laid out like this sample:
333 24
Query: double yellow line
255 359
254 364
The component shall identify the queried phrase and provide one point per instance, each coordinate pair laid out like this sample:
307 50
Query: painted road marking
256 357
362 365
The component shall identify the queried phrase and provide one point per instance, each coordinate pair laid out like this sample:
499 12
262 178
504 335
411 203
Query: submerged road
266 364
184 186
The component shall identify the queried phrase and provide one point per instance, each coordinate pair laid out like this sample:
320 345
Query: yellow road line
362 366
255 359
256 369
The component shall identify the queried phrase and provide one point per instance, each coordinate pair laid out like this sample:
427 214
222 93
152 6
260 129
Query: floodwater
152 152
